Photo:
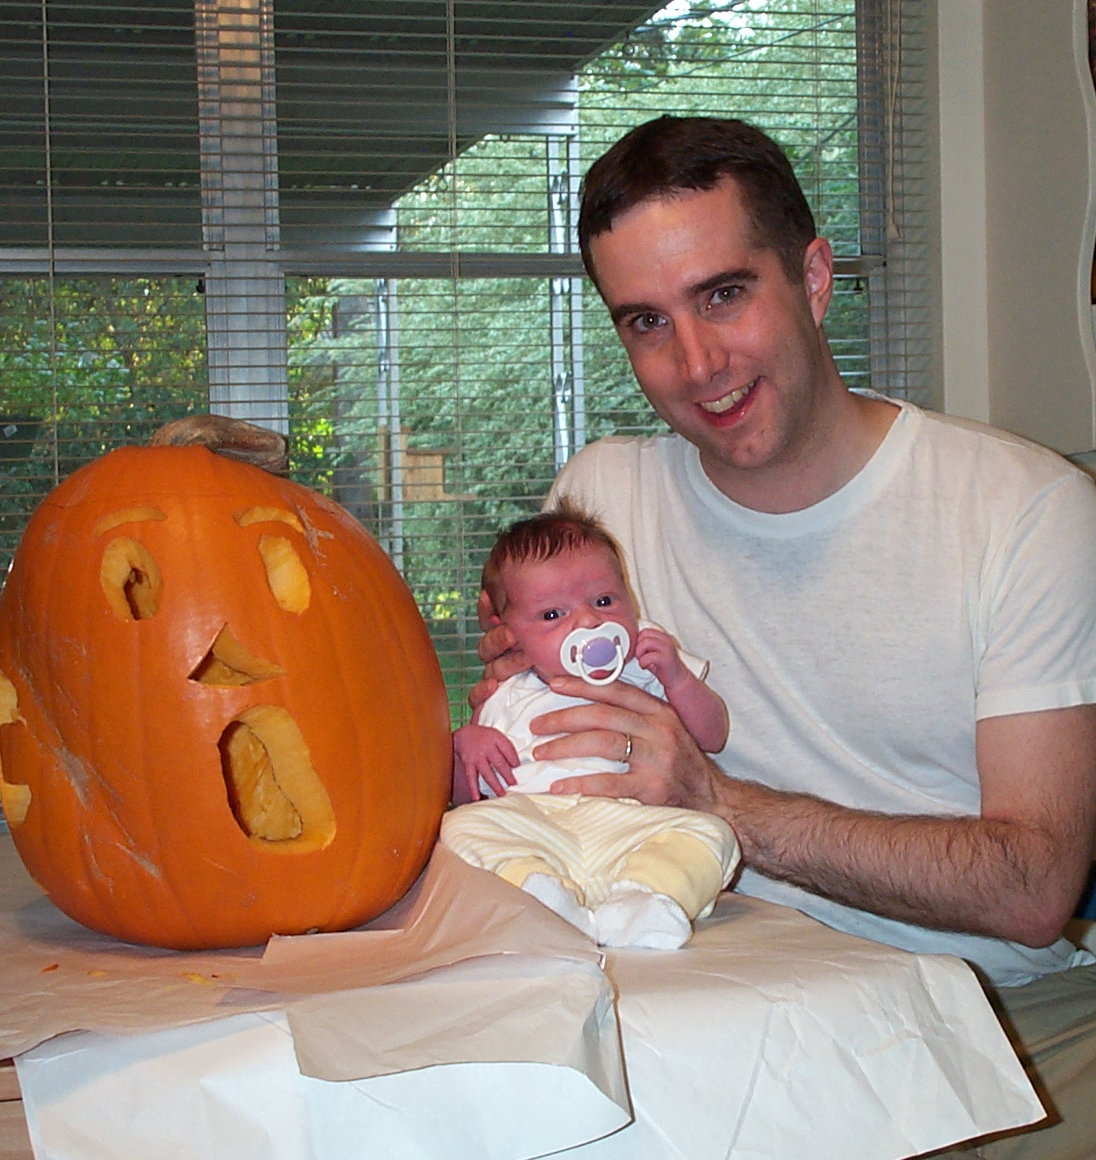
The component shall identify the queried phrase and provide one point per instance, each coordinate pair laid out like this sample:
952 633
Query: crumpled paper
59 976
465 969
454 912
230 1088
466 993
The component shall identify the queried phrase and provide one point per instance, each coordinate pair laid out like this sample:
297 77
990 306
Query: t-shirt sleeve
1039 606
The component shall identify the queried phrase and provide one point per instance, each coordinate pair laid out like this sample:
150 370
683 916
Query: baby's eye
603 602
550 614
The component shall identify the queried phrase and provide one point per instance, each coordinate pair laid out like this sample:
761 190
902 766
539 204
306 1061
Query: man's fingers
611 744
595 785
496 641
485 611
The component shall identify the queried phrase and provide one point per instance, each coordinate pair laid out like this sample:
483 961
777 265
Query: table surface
768 1035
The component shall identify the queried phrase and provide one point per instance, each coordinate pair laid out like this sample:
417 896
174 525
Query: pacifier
586 651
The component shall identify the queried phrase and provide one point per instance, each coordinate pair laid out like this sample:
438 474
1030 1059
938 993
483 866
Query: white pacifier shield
586 651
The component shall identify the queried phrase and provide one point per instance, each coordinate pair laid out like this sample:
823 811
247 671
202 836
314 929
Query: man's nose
702 356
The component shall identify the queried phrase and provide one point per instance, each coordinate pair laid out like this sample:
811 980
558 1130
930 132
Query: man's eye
550 614
723 295
646 322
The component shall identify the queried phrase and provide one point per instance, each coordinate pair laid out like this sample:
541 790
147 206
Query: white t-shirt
857 642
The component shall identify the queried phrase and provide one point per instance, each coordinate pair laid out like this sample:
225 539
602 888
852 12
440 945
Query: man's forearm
997 878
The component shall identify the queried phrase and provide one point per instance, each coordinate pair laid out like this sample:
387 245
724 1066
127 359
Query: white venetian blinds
354 222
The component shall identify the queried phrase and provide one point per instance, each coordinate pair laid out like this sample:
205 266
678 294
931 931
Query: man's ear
818 277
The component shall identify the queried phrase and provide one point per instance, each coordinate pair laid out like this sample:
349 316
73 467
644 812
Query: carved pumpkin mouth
275 795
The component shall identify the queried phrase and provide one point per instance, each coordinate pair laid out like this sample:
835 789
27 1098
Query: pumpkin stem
233 438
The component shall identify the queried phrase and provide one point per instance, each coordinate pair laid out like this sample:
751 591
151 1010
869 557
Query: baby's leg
676 864
515 837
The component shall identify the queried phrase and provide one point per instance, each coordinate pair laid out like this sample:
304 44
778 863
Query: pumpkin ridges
389 792
74 729
431 799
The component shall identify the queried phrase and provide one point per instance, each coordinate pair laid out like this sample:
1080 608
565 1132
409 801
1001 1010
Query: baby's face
547 599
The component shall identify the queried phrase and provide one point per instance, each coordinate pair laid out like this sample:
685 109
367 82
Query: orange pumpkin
221 716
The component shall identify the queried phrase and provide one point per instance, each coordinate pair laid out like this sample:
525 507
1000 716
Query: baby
625 873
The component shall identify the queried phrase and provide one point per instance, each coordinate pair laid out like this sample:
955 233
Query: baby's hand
657 653
481 752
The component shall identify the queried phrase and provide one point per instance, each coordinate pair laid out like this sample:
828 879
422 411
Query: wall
1017 121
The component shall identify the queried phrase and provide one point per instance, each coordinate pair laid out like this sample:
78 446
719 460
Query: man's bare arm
1013 872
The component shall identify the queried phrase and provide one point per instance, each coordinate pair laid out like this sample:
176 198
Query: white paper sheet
786 1039
768 1036
230 1090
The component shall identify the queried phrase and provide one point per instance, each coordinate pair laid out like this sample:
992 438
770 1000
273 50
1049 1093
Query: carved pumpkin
221 716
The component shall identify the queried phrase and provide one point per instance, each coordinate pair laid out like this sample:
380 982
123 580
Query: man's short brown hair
670 155
544 536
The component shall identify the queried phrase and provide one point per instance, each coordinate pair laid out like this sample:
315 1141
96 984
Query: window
355 223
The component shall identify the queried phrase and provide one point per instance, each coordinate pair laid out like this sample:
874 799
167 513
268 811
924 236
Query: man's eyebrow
724 278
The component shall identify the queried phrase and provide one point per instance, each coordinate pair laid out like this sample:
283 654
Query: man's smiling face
728 349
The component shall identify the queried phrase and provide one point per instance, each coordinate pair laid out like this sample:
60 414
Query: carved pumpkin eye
14 798
131 579
285 573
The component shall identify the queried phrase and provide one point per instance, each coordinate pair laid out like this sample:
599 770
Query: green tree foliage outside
450 376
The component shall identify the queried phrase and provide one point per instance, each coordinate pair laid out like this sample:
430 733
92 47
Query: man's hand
496 649
481 752
665 765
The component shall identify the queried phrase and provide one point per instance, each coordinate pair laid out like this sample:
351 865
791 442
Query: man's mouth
728 401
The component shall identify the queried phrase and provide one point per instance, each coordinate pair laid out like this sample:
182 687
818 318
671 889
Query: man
900 608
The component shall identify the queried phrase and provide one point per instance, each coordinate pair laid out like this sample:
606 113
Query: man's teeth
718 406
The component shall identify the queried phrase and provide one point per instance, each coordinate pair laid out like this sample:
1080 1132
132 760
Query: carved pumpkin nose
227 662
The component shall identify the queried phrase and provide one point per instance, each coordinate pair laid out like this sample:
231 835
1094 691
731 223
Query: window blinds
354 223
